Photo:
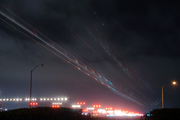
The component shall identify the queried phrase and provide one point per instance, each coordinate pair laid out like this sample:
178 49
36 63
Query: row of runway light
34 99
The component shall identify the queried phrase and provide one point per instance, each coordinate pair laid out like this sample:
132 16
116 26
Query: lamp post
31 81
174 83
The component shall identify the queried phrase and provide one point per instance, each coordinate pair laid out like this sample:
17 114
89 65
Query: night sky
133 44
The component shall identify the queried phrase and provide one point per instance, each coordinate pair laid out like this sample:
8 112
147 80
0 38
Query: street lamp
174 83
31 81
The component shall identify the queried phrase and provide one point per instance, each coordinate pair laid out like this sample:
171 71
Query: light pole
31 81
174 83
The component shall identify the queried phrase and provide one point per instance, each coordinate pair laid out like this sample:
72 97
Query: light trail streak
58 50
93 31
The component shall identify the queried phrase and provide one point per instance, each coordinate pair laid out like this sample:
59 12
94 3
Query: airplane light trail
62 53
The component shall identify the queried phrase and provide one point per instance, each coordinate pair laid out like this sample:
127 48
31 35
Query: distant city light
96 106
55 106
90 108
81 103
101 110
76 106
56 103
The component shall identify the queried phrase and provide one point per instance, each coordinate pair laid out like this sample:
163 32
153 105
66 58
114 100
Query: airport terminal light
31 81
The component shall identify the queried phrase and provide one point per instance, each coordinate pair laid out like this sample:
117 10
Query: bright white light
4 99
76 106
47 98
10 99
17 99
61 98
44 98
0 99
65 98
54 98
90 108
35 99
58 98
40 99
7 99
51 98
56 103
20 99
101 110
110 111
28 99
118 112
14 99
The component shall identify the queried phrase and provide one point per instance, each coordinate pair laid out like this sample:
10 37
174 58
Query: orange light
85 110
84 103
94 106
78 103
174 82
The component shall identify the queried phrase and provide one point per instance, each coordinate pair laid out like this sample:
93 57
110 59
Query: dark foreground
47 113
